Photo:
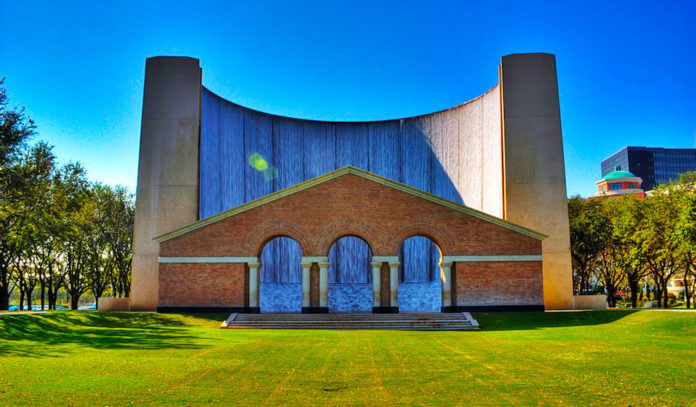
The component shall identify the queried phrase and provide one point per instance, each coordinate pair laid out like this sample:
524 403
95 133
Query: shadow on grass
516 321
40 335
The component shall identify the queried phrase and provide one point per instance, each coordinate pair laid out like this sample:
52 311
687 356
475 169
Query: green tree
587 239
657 238
684 191
119 219
15 131
75 196
627 218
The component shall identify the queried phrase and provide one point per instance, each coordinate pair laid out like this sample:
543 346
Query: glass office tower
653 164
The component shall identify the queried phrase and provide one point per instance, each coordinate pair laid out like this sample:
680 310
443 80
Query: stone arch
420 273
342 227
280 275
350 275
417 227
261 235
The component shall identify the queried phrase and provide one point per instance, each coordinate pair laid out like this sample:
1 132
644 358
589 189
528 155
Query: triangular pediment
340 173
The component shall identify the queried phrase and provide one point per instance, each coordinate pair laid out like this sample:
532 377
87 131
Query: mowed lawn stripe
588 358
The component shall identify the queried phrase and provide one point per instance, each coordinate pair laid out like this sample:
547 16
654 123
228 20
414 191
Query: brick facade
185 284
350 204
499 283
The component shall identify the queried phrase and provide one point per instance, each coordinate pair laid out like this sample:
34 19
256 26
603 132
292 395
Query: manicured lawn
589 358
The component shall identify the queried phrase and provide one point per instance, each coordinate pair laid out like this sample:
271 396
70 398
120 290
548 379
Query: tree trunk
73 301
21 299
634 293
29 292
4 299
43 294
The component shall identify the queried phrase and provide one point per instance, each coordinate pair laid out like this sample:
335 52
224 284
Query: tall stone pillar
306 266
167 192
254 305
534 169
446 287
394 285
323 286
376 285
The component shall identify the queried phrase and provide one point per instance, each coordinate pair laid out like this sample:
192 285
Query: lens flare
257 161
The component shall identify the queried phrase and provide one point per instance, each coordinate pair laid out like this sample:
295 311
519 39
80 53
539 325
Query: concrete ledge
189 309
497 308
109 304
315 310
385 310
589 301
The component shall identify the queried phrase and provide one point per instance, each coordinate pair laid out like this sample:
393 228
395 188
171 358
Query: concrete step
354 321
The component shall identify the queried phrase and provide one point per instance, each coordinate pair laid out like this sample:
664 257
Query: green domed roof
619 174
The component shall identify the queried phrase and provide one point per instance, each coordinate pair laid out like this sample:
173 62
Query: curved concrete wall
455 154
500 153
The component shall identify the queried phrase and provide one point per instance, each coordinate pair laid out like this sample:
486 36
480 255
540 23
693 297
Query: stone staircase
405 321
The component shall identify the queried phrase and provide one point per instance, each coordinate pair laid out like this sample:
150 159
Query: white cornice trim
204 259
509 257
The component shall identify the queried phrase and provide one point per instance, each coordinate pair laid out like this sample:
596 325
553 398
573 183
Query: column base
315 310
385 310
191 309
498 308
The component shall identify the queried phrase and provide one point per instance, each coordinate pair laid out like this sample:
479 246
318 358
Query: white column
253 284
446 284
394 283
323 284
306 266
376 283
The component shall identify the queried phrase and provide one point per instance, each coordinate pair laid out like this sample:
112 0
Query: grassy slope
607 357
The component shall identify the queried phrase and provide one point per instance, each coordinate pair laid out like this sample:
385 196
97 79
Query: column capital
255 264
447 263
377 264
385 259
306 264
393 264
323 264
313 259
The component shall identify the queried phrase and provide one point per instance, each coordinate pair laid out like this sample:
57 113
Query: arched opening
280 286
350 275
420 281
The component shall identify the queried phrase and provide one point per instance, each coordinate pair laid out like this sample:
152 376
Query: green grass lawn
600 358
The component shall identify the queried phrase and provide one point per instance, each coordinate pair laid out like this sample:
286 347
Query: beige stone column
394 283
323 284
254 284
376 284
306 266
446 284
167 192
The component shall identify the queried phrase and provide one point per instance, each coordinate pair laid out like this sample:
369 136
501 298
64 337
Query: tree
74 195
119 219
15 131
657 240
99 265
684 192
627 219
587 239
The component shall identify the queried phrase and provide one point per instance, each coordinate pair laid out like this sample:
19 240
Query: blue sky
626 69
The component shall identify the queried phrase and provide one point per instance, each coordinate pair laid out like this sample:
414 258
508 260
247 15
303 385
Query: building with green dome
618 182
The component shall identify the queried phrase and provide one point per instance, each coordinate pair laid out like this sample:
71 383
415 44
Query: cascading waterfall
245 155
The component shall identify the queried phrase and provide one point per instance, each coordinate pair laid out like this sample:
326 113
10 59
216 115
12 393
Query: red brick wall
499 283
350 205
199 284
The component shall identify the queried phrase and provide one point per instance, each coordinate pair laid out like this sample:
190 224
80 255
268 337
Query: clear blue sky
626 69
